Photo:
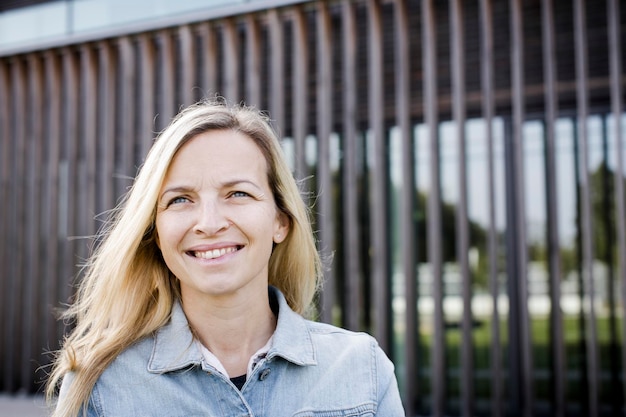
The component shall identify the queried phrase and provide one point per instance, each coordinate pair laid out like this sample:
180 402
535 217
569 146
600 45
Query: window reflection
602 148
45 21
55 20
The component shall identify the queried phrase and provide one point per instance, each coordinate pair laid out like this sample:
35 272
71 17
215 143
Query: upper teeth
215 253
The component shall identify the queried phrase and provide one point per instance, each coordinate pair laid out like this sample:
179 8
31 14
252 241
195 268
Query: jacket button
264 374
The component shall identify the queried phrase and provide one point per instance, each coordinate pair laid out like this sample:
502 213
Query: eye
178 200
239 194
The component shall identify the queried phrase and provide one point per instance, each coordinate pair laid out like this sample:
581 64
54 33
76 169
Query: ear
281 227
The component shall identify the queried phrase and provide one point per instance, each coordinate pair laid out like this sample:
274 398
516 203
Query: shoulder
333 344
349 365
115 381
141 381
307 342
324 332
328 333
123 373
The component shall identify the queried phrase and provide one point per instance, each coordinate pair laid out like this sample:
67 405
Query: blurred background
464 162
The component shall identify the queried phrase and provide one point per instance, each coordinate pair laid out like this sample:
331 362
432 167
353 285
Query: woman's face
216 217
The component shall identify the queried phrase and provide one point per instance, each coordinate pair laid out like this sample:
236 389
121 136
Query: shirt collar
212 360
174 346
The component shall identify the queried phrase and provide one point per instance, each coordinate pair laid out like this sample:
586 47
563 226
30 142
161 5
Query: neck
233 331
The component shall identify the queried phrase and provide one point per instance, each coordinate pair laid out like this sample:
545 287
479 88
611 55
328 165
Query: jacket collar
174 348
292 338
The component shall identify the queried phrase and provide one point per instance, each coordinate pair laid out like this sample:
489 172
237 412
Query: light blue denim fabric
311 370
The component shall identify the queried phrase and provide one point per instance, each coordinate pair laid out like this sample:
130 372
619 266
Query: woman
191 305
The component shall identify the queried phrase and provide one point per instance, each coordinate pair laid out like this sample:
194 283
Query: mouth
214 253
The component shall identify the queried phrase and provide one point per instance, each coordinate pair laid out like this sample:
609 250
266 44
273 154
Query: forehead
216 154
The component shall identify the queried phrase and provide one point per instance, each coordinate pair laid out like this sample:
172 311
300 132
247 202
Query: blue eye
178 200
240 194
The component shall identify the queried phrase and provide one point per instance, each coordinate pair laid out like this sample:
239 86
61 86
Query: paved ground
22 406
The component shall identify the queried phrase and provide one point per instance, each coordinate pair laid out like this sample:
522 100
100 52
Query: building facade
464 161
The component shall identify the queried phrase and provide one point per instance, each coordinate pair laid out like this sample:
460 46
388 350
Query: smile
215 253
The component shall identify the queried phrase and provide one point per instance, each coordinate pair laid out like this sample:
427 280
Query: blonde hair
127 292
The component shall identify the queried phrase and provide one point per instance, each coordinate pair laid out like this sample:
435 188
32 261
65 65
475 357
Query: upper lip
212 246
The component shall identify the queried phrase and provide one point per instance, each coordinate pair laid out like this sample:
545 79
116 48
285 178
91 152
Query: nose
211 219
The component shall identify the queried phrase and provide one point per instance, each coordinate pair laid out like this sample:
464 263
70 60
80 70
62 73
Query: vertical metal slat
615 62
32 310
520 291
68 179
166 89
209 61
106 131
231 62
147 79
324 180
253 63
551 113
379 239
16 225
407 231
5 211
582 99
488 111
277 69
125 166
300 91
462 222
88 134
50 215
352 258
429 36
188 60
86 180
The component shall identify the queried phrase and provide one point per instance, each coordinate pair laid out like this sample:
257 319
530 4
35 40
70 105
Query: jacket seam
374 373
96 402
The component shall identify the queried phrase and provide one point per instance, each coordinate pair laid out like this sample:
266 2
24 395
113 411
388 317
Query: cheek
167 231
270 222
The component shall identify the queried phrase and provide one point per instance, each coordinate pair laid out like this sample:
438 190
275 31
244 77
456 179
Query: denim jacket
311 370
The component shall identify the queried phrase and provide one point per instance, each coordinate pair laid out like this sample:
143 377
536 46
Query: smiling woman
216 225
193 303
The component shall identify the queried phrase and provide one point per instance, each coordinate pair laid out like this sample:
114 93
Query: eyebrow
227 184
234 183
175 189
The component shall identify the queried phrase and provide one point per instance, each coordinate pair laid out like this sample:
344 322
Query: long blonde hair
127 291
